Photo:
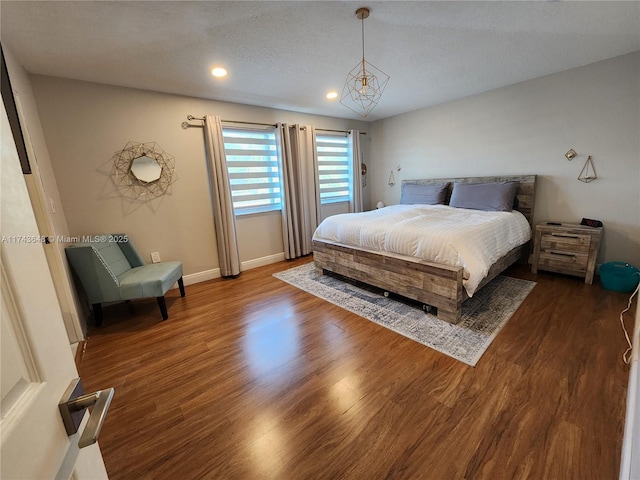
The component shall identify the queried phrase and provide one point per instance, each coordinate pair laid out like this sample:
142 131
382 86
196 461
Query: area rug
483 315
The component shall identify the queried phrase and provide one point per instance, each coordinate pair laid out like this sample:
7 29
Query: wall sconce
588 172
392 178
571 154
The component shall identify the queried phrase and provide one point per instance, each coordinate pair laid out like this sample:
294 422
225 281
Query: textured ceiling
289 54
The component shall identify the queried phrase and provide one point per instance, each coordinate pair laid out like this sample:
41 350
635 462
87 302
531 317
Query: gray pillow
494 197
416 193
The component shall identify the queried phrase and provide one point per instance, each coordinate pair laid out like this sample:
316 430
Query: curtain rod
338 131
191 117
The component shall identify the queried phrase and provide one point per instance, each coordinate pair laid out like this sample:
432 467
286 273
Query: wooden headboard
526 193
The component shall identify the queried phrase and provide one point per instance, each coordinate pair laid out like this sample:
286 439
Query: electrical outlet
155 257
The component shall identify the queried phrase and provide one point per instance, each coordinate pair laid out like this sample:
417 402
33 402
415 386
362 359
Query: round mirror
146 169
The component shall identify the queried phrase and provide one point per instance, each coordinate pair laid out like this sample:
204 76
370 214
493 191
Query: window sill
333 202
258 213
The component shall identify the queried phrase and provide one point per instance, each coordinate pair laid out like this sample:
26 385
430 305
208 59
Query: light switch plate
155 257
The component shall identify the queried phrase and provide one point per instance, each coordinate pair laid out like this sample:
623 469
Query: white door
36 361
54 251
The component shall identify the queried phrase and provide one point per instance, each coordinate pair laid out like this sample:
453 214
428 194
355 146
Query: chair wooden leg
97 314
163 307
181 287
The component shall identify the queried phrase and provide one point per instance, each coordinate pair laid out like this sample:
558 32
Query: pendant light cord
362 21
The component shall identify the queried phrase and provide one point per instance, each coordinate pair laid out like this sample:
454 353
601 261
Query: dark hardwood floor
251 378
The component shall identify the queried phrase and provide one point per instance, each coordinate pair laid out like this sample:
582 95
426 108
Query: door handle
72 408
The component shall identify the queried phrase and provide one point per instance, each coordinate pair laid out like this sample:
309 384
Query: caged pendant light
365 83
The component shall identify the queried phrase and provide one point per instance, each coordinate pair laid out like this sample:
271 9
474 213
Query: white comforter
472 239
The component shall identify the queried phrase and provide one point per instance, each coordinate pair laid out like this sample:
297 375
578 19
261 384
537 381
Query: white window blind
253 170
334 168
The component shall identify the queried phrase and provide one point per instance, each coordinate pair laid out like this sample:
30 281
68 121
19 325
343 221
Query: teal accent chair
110 269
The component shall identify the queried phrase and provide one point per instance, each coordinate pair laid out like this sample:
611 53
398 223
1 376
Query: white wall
85 124
526 129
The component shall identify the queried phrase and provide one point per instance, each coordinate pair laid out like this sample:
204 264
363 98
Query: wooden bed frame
433 284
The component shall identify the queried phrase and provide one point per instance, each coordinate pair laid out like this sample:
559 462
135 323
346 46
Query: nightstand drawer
565 242
563 261
566 248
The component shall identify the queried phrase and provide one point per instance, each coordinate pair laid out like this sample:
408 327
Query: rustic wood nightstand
566 248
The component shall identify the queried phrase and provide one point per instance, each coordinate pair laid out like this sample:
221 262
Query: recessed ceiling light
219 72
332 94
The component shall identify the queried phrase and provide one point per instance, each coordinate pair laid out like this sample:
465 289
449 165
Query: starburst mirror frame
143 171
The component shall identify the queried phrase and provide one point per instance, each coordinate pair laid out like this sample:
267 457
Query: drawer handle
563 254
564 235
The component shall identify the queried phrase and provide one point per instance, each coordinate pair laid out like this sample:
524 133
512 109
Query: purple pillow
490 197
418 193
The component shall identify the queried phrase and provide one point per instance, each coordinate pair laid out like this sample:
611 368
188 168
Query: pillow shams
490 197
416 193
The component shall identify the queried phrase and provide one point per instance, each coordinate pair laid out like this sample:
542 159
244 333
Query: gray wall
522 128
86 123
526 129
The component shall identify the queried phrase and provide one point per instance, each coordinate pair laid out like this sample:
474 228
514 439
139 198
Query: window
252 161
334 168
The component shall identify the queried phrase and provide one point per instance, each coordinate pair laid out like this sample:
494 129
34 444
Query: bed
435 283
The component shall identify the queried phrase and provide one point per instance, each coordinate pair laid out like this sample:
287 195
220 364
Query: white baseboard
200 277
215 272
261 262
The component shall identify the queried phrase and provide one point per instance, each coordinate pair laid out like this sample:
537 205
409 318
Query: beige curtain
223 215
355 202
300 188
